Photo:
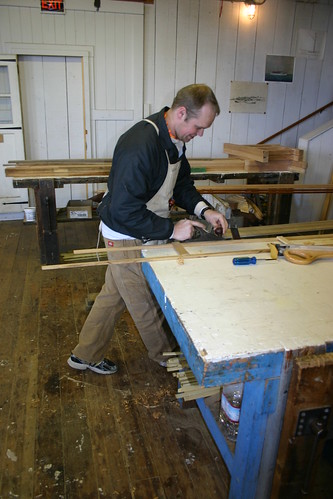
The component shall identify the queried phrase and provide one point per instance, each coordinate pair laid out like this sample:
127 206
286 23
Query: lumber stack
273 157
59 169
188 387
242 159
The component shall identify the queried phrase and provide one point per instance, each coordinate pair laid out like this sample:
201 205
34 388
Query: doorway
53 113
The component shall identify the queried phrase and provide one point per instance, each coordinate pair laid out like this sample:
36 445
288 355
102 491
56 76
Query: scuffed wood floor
71 434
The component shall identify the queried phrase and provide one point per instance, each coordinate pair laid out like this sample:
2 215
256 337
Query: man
149 168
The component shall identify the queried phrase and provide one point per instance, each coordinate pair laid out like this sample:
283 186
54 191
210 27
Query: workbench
46 176
245 324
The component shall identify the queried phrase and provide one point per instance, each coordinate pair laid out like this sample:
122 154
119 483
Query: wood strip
260 231
147 259
67 162
184 254
245 232
266 189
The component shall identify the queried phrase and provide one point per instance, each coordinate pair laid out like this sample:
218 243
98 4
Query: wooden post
47 222
327 203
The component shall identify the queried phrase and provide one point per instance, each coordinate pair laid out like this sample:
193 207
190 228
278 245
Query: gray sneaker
106 366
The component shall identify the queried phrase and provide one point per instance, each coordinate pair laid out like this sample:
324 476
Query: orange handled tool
306 255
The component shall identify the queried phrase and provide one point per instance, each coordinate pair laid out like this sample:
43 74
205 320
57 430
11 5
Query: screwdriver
244 260
248 260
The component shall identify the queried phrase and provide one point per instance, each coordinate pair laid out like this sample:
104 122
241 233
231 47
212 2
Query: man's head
193 110
194 97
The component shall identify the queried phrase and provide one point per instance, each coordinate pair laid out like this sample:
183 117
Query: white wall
186 41
318 149
111 45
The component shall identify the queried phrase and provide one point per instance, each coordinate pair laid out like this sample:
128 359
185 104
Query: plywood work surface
234 312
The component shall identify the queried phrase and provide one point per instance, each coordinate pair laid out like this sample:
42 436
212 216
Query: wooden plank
247 152
67 162
265 188
180 250
294 228
276 165
278 152
223 164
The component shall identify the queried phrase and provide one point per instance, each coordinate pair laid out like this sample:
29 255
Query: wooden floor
70 434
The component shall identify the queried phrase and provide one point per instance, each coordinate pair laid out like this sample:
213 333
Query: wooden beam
265 188
247 152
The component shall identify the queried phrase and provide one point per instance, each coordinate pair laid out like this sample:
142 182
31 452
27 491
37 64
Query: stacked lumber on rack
262 156
59 168
188 387
243 159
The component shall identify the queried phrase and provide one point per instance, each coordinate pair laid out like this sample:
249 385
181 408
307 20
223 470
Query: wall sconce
250 7
250 10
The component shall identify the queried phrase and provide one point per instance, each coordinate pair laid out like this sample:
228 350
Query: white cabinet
12 201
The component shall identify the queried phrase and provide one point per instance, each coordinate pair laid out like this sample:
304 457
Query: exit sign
52 6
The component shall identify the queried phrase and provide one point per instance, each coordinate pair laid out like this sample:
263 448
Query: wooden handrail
296 123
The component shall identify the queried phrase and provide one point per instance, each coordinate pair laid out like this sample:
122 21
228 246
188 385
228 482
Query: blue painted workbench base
261 375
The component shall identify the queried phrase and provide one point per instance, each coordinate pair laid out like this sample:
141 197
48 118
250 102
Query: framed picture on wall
279 68
248 97
310 44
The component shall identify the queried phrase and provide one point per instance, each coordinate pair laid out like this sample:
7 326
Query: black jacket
139 167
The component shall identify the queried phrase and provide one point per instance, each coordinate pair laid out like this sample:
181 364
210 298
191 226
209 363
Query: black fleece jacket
139 167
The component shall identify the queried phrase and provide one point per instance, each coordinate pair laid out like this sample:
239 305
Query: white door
53 113
12 201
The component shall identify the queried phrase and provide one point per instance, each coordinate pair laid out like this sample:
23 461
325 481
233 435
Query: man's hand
184 229
217 220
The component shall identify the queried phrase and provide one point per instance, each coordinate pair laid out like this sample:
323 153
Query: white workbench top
238 311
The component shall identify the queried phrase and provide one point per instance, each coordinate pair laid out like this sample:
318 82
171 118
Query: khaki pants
125 286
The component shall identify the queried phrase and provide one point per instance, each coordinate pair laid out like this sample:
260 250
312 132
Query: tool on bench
252 260
248 260
302 254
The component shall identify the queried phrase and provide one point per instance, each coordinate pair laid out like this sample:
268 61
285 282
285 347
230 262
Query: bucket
30 214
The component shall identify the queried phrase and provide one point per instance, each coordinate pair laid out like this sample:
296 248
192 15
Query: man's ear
181 113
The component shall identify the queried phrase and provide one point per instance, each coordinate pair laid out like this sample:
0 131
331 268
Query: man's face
188 128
